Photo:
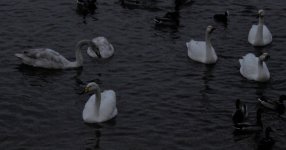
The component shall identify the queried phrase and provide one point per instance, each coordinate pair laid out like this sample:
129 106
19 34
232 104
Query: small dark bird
131 2
86 6
221 17
170 19
246 127
267 142
240 113
180 3
274 105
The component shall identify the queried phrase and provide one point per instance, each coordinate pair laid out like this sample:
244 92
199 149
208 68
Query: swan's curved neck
98 100
259 33
78 52
208 45
260 67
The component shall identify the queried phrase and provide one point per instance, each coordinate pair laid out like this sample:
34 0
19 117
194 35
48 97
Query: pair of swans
252 67
101 106
98 47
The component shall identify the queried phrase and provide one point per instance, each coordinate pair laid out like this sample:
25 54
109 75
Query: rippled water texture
165 100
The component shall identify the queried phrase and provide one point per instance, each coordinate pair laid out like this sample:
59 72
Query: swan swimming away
100 107
50 59
254 68
103 46
259 35
202 51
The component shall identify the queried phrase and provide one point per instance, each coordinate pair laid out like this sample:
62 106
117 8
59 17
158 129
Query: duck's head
260 13
226 13
92 86
210 29
282 98
237 104
264 57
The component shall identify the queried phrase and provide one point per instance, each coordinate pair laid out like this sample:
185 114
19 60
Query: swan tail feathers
19 55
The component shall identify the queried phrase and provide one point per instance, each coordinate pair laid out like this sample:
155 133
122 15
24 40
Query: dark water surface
165 100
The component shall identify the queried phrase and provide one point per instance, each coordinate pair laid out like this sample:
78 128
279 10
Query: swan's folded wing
252 34
196 49
108 104
249 66
267 36
45 54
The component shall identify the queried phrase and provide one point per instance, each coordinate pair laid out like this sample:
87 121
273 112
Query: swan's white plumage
252 69
105 48
202 51
260 35
48 58
267 36
43 57
107 108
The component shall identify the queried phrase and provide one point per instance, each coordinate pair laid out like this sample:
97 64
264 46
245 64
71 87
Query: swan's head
264 57
92 86
95 48
210 29
260 13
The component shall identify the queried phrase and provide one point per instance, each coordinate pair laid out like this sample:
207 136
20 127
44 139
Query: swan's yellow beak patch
86 89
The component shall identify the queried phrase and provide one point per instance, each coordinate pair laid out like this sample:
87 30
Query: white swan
50 59
259 35
100 107
254 68
202 51
105 48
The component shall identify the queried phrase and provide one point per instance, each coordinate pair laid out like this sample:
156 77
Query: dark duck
129 3
170 19
267 142
221 17
240 114
246 127
277 105
86 6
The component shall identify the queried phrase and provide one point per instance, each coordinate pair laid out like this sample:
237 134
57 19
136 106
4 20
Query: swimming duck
202 51
259 35
131 2
169 19
267 141
274 105
221 17
246 127
240 113
254 68
180 3
86 6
